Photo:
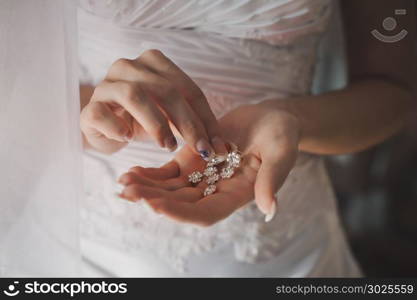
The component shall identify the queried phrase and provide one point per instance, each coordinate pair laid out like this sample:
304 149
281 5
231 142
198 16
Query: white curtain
40 145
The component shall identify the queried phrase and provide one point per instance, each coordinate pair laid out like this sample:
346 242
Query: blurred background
377 194
377 188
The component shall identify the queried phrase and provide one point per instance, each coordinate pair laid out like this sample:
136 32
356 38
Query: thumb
271 176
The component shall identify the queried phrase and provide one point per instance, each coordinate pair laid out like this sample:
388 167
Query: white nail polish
271 214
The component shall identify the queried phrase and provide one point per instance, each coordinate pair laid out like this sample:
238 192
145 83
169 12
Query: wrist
291 121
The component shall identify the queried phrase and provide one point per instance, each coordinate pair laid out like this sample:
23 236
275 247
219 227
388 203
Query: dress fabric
238 52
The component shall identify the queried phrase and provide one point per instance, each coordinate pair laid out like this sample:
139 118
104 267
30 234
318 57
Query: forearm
349 120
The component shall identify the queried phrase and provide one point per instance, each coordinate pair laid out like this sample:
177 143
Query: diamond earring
230 162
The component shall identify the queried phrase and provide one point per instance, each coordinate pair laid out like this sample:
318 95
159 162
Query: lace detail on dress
135 227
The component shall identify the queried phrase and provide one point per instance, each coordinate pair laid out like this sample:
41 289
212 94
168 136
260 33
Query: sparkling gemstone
209 190
216 160
227 172
195 177
213 179
210 171
233 159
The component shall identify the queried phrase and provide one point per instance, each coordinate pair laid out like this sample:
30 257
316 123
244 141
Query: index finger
156 61
205 212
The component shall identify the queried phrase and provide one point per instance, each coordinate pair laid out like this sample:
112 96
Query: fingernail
171 143
120 195
124 197
218 144
204 148
269 216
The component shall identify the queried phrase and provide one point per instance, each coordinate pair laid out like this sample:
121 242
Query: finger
218 144
181 115
132 98
205 212
97 118
167 171
187 194
133 178
130 178
271 176
169 99
136 192
156 61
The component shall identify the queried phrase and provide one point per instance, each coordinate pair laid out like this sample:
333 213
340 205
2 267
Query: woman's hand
151 96
269 142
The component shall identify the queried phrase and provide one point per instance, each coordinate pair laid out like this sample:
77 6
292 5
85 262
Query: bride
171 83
165 85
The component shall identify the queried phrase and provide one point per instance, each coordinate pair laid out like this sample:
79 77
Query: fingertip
271 212
126 178
263 205
120 180
204 148
219 145
124 197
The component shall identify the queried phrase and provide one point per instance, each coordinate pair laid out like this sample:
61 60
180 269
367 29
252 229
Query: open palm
269 142
169 192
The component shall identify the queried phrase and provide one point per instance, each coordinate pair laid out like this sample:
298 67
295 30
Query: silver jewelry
210 171
227 172
229 162
210 190
213 179
218 159
233 159
195 177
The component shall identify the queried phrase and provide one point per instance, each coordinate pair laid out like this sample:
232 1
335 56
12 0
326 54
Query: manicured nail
171 143
204 148
120 195
124 197
269 216
218 144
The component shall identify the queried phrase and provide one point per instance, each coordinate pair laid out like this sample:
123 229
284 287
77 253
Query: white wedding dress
238 52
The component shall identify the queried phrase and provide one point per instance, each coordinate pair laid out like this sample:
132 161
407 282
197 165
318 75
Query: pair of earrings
231 161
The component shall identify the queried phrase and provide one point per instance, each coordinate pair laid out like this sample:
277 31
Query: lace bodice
239 51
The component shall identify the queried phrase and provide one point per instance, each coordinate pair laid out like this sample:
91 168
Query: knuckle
135 169
121 64
98 90
129 91
152 53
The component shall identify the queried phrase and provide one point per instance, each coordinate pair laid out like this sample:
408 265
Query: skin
149 97
371 108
